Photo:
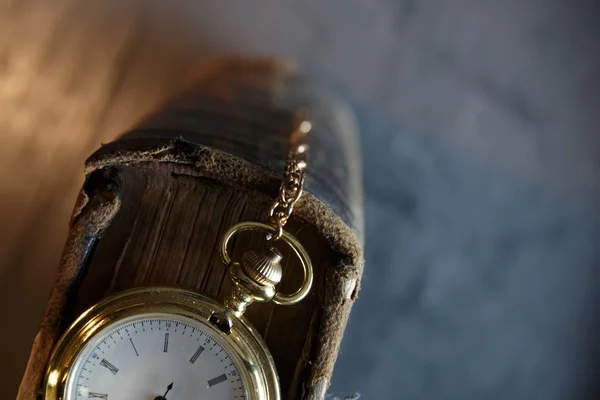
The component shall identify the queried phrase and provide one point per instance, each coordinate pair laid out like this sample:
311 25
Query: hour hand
164 396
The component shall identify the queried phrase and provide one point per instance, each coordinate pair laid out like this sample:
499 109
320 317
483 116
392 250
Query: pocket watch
167 343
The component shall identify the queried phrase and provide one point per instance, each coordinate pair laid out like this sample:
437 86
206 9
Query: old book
157 200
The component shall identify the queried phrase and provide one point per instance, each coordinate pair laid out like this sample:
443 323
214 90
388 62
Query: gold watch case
256 366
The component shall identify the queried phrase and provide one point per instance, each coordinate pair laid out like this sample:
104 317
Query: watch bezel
257 367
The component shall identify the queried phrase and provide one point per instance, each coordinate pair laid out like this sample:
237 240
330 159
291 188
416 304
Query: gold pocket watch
164 343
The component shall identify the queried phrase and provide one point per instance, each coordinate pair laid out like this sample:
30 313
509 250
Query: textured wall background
479 127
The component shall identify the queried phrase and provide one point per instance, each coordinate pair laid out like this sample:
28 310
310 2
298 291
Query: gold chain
258 272
293 177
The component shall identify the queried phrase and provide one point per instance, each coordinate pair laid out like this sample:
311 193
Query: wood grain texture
167 231
79 83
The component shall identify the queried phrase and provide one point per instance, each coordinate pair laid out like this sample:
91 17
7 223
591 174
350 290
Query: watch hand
164 396
168 390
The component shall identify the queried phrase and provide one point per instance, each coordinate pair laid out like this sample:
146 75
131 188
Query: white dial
156 357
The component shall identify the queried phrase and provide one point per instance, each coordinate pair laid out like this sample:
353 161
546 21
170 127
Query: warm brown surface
505 94
98 86
164 229
67 83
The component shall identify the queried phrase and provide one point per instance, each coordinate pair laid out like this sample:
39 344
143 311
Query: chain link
292 185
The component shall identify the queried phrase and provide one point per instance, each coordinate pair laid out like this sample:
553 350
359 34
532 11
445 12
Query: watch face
156 356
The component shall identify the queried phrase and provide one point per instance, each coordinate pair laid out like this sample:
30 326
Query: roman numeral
166 348
92 395
110 367
196 354
217 380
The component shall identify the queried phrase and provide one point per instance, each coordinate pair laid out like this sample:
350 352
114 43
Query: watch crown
263 266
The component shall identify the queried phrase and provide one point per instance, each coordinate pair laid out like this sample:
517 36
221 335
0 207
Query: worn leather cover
231 124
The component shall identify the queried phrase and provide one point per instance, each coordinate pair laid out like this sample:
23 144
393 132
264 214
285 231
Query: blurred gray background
479 125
